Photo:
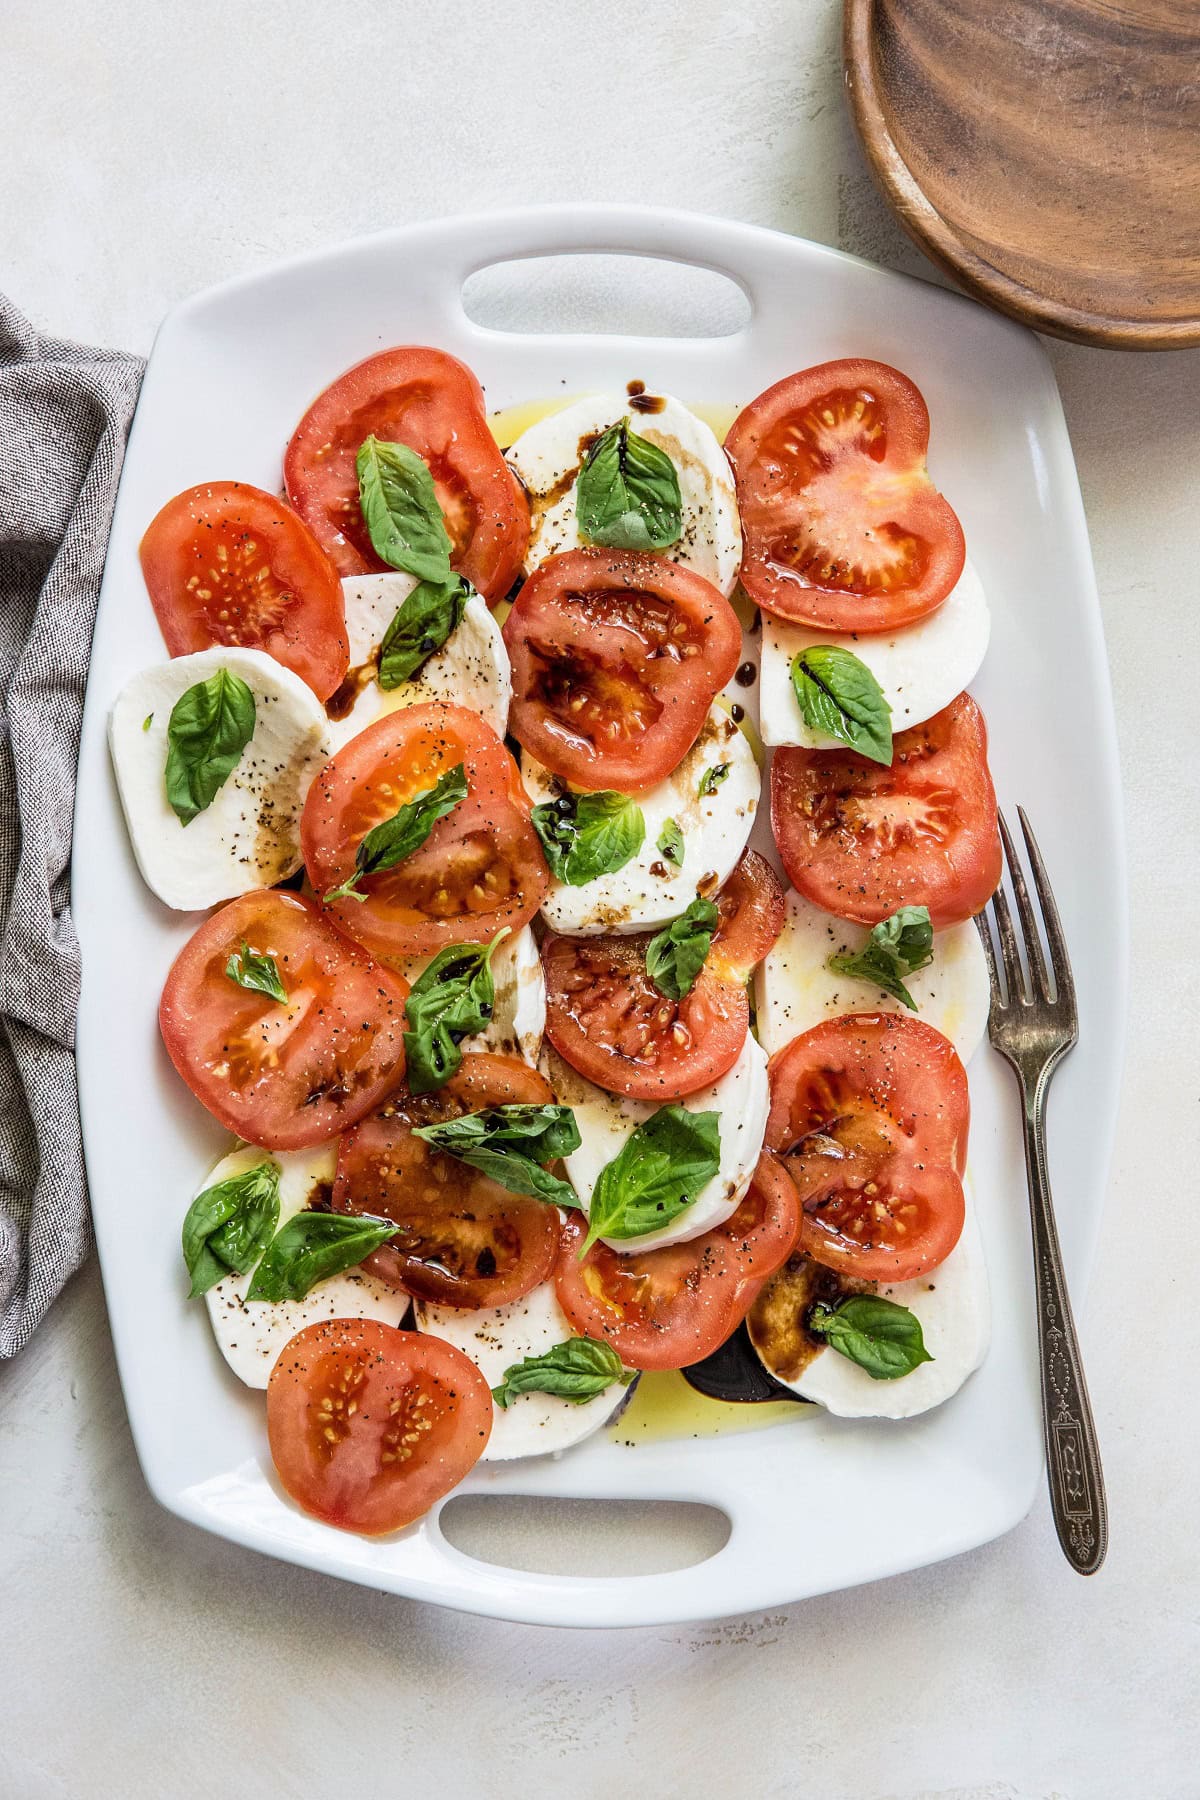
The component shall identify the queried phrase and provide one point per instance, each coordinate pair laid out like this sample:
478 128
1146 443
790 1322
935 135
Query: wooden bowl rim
926 225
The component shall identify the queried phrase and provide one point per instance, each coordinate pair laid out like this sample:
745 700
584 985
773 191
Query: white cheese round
921 668
533 1424
954 1307
795 989
650 890
471 668
249 837
741 1098
251 1333
549 456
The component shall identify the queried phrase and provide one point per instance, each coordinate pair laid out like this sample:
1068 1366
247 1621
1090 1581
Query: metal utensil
1033 1023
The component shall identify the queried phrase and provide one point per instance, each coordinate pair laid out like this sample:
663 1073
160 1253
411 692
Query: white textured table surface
147 150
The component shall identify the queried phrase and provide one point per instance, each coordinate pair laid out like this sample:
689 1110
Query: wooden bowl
1045 152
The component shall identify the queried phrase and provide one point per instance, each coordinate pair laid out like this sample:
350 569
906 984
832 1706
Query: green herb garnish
881 1337
209 727
390 842
627 496
896 948
400 508
840 698
585 836
576 1370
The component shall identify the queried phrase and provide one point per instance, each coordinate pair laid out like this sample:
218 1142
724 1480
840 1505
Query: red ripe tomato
464 1240
481 866
668 1308
843 527
610 1022
368 1425
432 403
870 1114
861 840
283 1074
616 657
226 563
765 1228
751 907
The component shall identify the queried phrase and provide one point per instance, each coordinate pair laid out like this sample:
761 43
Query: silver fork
1033 1026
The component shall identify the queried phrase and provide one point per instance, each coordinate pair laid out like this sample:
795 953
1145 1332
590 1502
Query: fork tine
1013 979
985 938
1060 962
1038 981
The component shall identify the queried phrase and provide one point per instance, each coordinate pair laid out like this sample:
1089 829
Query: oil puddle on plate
664 1405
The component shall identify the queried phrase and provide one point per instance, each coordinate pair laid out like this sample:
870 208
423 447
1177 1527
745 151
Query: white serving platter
817 1504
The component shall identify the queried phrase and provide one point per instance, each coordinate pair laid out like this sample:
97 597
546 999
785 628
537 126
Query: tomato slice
283 1075
668 1308
433 403
465 1240
843 527
226 563
765 1228
751 907
870 1114
481 866
368 1425
861 840
616 657
605 1016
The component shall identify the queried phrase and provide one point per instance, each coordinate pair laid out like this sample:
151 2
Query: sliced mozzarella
518 1020
795 989
605 1121
471 668
495 1339
954 1307
650 891
549 456
249 836
251 1333
920 668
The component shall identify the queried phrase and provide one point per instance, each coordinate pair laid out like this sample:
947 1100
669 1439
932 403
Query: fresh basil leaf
712 778
311 1247
670 842
589 835
422 624
209 727
400 506
881 1337
451 999
456 986
256 970
896 948
656 1174
397 837
840 698
627 496
229 1225
675 955
577 1370
545 1131
510 1144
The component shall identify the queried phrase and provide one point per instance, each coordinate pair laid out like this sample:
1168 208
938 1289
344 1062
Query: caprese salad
538 1073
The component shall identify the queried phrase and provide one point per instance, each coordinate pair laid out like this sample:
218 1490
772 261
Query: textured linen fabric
64 413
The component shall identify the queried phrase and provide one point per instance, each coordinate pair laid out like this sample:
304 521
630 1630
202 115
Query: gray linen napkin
64 413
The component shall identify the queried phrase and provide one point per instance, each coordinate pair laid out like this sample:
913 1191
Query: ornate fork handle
1072 1454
